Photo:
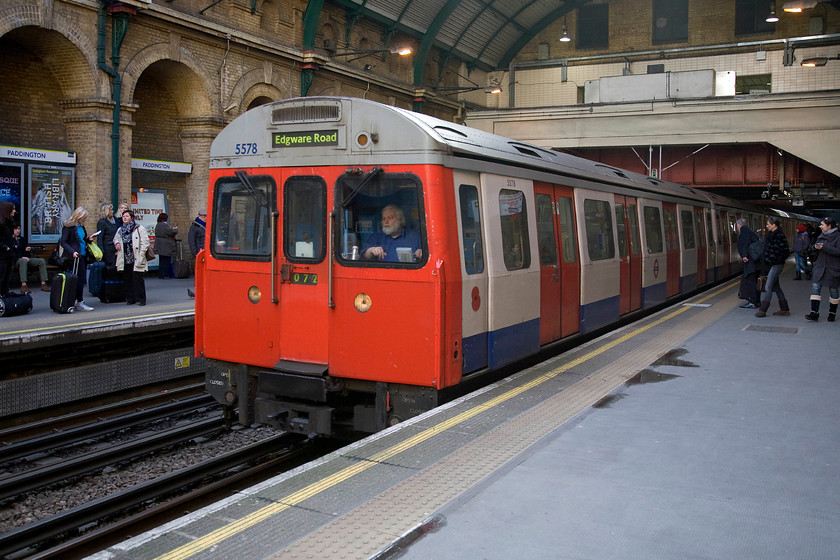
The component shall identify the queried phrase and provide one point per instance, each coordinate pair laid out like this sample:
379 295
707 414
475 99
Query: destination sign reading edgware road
305 139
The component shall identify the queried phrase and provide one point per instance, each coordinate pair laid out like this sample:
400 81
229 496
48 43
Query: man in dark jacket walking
195 237
748 290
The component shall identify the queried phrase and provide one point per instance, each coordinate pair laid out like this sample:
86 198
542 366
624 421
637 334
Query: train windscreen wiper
362 184
256 194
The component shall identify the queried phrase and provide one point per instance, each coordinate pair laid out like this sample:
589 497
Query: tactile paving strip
380 523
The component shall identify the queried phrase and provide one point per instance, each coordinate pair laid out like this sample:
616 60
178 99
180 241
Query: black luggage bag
63 292
113 286
95 271
180 267
15 303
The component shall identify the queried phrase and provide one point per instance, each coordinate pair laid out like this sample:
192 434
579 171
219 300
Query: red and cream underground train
506 248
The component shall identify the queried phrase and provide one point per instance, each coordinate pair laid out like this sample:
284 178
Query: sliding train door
627 228
559 264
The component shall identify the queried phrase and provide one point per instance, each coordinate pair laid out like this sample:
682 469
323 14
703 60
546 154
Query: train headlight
362 302
254 294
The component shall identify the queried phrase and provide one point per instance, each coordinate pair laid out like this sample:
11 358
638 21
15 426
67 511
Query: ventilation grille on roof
306 114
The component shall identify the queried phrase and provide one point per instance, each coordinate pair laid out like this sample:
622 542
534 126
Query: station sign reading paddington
304 139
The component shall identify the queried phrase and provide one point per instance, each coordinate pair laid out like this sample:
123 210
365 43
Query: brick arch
186 78
62 47
261 90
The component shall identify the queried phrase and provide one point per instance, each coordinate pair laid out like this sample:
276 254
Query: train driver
394 243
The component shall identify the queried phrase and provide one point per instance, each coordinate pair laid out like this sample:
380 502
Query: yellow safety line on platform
98 321
215 537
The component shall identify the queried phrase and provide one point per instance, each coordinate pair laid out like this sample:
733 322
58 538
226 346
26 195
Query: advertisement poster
11 185
147 205
51 189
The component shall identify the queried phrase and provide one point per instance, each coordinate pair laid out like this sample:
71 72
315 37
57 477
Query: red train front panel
380 318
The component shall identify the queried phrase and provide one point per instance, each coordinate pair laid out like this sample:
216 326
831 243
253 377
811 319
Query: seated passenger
394 240
23 259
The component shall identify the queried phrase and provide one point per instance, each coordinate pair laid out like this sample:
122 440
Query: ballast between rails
506 248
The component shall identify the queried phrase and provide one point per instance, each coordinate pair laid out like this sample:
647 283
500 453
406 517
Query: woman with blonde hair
74 240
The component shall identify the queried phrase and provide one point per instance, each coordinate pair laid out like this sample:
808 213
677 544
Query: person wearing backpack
776 251
800 252
748 290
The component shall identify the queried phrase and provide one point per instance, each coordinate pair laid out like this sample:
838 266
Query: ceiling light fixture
565 38
772 18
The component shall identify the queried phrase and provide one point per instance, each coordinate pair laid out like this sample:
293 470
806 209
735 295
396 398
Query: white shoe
82 306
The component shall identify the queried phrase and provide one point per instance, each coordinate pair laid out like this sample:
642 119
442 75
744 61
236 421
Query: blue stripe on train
598 314
501 347
654 295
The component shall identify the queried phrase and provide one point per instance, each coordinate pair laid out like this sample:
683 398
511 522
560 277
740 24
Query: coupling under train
504 248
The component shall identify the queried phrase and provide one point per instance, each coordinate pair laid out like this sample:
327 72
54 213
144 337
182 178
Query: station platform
166 301
701 431
50 359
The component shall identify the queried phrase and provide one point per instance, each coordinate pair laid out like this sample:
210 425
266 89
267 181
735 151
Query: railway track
60 536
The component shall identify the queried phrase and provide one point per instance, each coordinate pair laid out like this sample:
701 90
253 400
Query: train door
688 248
712 249
474 295
600 280
700 230
569 260
672 249
627 229
653 253
513 269
551 291
559 265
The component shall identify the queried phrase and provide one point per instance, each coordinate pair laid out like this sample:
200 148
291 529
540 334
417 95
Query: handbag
95 251
55 258
762 282
150 253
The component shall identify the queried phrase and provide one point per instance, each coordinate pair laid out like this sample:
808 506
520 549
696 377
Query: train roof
404 136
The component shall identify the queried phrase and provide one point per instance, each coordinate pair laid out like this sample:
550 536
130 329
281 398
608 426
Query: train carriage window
733 230
546 238
599 229
471 230
568 243
513 213
635 244
621 229
241 226
304 218
688 229
653 229
381 220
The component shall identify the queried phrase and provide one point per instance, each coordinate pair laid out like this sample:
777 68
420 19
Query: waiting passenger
131 242
394 243
776 251
74 240
23 259
108 226
826 270
7 225
748 289
165 245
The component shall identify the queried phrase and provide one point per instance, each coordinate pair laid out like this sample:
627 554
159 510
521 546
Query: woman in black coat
107 226
7 228
776 251
826 270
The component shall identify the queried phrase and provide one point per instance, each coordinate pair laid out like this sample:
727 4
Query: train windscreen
381 219
241 226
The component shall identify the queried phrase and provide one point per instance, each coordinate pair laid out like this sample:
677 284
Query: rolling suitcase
15 303
180 268
63 292
113 287
95 277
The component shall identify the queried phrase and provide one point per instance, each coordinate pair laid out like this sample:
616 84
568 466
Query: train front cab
313 323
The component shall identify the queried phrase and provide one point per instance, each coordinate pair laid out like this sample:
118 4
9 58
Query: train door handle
556 273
